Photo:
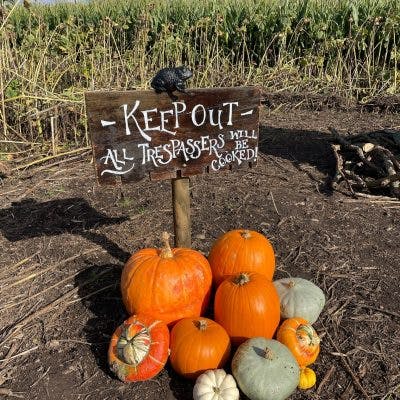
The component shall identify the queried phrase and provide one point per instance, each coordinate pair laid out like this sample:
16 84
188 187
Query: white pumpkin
300 298
215 384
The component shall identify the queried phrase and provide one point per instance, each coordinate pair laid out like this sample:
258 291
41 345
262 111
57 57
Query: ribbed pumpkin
215 384
300 298
198 345
247 305
265 369
168 284
241 250
139 348
301 339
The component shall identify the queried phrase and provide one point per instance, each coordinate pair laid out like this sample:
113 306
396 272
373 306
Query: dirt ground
64 239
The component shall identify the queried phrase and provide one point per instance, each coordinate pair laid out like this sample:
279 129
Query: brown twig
376 198
345 143
8 392
63 161
392 166
40 377
44 159
273 202
13 348
339 169
88 379
11 330
7 271
381 182
42 292
20 354
49 268
380 160
325 379
347 367
385 153
93 293
36 185
381 310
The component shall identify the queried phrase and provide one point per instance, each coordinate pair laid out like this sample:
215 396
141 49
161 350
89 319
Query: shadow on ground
99 291
28 219
314 148
301 147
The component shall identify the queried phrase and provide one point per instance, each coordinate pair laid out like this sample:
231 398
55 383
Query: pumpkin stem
313 338
201 324
246 234
241 279
268 354
290 284
166 251
216 390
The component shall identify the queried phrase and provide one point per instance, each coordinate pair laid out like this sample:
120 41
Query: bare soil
59 307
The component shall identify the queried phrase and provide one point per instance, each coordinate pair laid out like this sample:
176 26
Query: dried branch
357 150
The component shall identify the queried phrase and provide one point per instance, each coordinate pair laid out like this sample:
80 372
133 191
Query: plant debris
368 163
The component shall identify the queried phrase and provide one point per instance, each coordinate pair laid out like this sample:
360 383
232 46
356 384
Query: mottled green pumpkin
265 369
299 298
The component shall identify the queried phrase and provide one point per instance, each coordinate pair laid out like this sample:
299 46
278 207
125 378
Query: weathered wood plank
181 207
139 134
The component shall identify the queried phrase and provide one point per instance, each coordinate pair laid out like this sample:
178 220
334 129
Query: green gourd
300 298
265 369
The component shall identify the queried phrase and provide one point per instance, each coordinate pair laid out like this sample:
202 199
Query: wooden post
181 207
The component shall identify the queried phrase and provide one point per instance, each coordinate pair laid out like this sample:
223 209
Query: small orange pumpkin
241 250
139 348
301 338
247 305
197 345
168 284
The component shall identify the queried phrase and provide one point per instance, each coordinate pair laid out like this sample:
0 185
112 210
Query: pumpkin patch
172 287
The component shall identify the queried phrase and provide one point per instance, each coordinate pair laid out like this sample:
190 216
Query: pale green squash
300 298
265 369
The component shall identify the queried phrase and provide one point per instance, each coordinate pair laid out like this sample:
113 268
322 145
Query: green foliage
53 53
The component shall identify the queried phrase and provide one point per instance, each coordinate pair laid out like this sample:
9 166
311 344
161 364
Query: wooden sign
136 134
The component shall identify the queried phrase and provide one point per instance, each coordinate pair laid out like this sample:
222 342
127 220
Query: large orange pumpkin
301 338
139 348
247 305
167 284
241 250
197 345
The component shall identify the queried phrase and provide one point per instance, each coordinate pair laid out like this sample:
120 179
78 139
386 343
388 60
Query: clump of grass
51 54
